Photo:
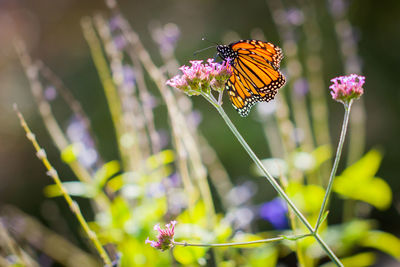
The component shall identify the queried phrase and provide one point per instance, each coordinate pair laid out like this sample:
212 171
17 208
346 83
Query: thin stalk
110 90
131 108
348 48
347 108
314 73
54 129
298 102
66 95
269 240
10 247
145 97
271 179
71 203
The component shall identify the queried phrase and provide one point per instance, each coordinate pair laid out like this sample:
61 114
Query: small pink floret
165 237
200 74
346 88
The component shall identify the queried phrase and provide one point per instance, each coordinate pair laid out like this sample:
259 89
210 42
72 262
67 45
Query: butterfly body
255 72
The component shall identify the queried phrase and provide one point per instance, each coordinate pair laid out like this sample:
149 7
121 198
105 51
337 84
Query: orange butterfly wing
256 76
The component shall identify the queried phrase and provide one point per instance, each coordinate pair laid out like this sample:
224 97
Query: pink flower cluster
346 88
199 77
165 237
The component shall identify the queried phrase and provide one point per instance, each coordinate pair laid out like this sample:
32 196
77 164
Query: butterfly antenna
205 39
201 50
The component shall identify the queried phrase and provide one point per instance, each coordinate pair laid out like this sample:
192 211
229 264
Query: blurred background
52 32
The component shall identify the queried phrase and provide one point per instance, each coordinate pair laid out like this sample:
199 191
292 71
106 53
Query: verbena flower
346 88
165 237
274 211
199 77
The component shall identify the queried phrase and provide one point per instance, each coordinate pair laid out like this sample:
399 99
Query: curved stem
347 108
259 164
271 179
269 240
41 154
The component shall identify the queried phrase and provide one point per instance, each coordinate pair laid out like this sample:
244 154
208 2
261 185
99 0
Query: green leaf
105 172
306 197
322 154
374 191
382 241
70 153
359 260
354 231
222 230
120 212
196 215
313 196
163 158
73 189
188 255
267 256
365 167
116 183
358 182
151 210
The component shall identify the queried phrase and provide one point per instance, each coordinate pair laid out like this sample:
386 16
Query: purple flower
201 77
78 134
165 237
275 211
174 180
346 88
50 93
166 37
115 23
301 87
120 42
295 16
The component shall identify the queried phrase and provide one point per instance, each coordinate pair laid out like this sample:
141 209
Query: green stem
347 108
259 164
273 182
41 154
269 240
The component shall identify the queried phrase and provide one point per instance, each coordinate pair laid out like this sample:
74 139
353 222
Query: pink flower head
346 88
179 82
165 237
200 76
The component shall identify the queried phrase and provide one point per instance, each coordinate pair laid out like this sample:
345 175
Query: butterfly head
226 52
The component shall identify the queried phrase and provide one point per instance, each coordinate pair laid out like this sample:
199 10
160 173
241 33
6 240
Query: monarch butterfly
255 72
